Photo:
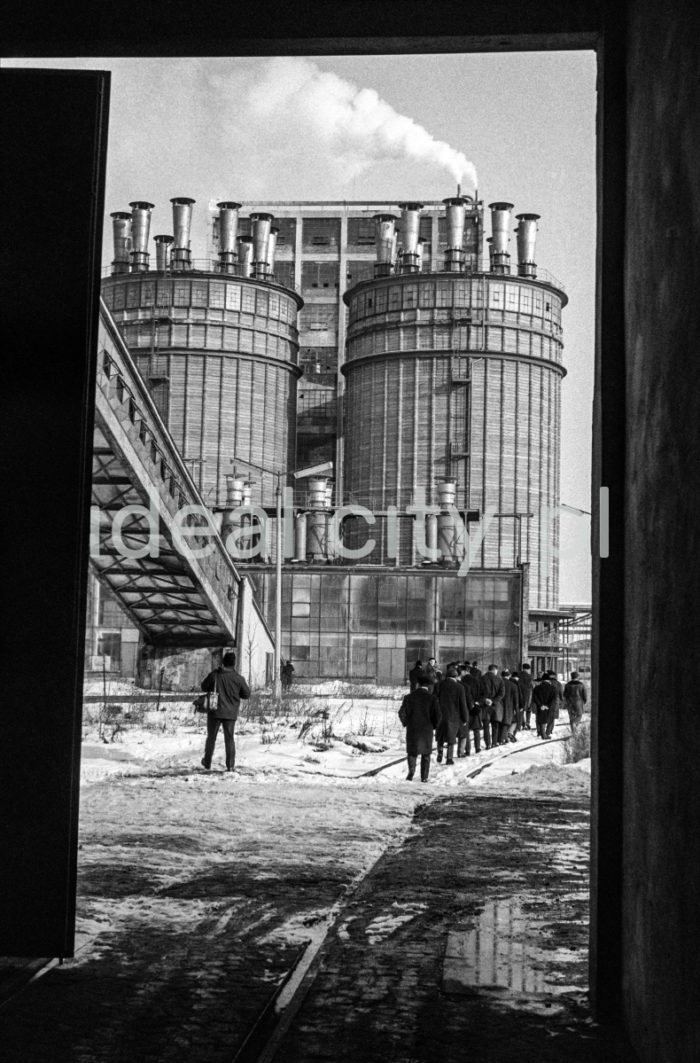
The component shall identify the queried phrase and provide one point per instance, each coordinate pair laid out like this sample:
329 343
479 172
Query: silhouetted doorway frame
219 28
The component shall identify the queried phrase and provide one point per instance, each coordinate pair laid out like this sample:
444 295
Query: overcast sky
382 127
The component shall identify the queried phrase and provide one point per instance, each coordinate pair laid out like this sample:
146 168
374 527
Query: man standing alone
231 688
575 698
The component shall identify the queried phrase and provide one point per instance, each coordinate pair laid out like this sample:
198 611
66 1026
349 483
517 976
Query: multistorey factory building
429 378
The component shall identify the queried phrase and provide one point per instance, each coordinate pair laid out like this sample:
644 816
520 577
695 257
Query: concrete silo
216 341
453 392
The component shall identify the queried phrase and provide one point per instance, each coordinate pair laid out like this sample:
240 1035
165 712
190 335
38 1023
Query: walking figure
286 673
420 715
231 687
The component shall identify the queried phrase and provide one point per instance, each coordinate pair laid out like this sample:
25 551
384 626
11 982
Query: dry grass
578 747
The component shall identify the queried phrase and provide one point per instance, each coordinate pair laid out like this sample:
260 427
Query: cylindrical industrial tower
456 376
219 353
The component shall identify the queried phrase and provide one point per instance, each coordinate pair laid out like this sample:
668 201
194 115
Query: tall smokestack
385 231
527 234
500 236
140 226
454 254
244 245
419 255
162 252
262 223
410 229
181 257
121 235
228 229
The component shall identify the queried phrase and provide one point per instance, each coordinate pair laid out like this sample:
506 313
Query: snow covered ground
317 736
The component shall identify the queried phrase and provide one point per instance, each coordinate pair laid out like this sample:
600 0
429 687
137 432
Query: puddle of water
500 954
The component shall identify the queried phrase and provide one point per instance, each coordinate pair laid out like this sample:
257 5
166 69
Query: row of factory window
467 294
442 337
211 337
361 600
183 292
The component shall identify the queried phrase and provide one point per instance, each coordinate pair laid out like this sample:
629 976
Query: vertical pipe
140 226
410 229
526 233
245 256
262 224
228 229
454 254
182 220
162 253
500 228
121 234
384 241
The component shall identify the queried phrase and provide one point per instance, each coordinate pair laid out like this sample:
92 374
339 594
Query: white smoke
350 125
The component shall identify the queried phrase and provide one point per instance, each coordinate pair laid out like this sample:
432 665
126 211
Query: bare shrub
272 737
115 719
578 747
366 726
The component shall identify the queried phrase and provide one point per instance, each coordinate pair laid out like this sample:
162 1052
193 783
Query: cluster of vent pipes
313 536
407 256
243 256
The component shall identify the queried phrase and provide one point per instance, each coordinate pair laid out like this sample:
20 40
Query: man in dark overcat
231 688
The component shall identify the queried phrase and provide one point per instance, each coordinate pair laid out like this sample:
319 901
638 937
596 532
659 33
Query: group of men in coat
464 703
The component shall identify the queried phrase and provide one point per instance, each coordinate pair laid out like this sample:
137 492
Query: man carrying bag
226 687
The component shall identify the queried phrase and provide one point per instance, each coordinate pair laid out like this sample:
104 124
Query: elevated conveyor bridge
174 597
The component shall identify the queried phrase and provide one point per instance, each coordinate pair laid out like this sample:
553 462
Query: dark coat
232 689
453 710
511 701
420 715
544 698
413 676
471 690
434 676
525 683
492 687
575 697
559 701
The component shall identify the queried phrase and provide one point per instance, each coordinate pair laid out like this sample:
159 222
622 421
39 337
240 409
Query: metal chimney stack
140 226
162 252
410 230
500 236
385 233
419 255
245 256
228 229
234 491
181 257
454 253
262 223
121 233
527 234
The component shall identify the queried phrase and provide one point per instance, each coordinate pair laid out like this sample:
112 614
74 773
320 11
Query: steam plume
353 124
